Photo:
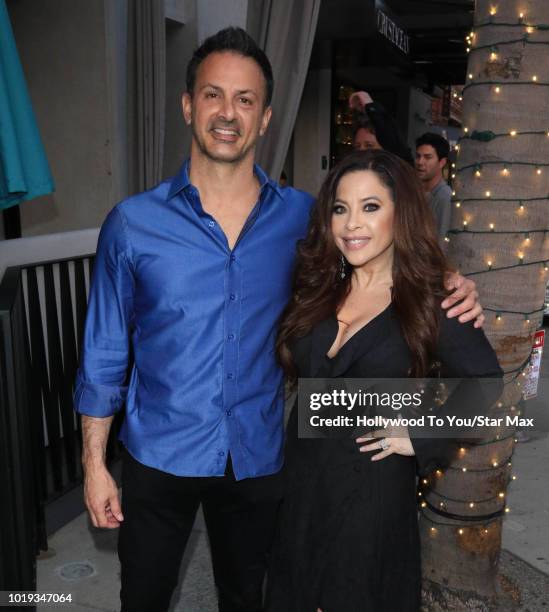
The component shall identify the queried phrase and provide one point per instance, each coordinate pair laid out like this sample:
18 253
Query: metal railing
42 313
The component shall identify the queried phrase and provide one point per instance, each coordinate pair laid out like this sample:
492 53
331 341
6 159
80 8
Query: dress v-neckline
358 331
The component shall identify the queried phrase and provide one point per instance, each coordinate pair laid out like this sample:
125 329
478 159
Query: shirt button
230 375
232 297
231 336
211 223
221 453
233 257
229 413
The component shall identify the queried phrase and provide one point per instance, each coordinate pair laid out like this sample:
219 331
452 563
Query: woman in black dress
366 304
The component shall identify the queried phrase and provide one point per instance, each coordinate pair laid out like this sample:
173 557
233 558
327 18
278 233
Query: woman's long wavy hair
419 264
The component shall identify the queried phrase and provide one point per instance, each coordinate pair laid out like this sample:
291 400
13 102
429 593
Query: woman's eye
370 207
338 209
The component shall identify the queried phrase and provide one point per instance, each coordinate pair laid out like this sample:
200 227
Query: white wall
62 47
419 120
312 132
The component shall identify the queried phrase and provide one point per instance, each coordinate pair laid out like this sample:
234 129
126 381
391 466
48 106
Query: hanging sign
530 384
389 29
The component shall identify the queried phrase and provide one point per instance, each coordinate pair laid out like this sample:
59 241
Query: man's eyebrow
211 86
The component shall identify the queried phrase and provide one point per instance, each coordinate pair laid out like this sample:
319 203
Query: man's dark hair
363 123
438 142
233 40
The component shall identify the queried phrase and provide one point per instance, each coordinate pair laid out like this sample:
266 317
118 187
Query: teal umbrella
24 169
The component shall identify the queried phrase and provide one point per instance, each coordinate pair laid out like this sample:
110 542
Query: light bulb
513 132
497 89
491 227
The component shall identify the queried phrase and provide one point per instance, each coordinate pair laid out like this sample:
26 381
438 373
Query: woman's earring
343 267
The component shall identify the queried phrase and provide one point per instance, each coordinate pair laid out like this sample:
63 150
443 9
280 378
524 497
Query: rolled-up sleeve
99 387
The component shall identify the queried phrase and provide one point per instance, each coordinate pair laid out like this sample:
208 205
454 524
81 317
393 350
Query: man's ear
187 104
265 120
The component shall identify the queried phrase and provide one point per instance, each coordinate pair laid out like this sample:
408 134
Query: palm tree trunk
499 222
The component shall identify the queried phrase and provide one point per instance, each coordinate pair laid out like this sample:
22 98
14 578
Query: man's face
227 112
428 165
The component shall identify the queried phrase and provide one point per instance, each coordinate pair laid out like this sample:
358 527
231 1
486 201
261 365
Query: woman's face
362 219
365 139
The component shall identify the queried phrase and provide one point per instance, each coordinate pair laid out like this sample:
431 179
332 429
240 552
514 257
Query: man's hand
102 499
359 99
466 294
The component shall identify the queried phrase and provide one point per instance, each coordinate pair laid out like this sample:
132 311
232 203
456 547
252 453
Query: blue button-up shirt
201 320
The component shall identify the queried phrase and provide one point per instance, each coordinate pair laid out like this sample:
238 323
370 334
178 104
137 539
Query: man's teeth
222 131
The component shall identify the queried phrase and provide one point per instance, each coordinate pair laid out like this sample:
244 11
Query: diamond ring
384 443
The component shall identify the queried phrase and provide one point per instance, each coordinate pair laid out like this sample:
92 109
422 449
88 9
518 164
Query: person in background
364 137
376 129
432 152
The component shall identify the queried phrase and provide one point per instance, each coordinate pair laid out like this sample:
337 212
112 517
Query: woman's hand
464 300
359 99
388 446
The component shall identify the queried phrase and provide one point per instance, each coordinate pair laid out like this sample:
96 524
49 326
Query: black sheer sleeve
387 132
463 352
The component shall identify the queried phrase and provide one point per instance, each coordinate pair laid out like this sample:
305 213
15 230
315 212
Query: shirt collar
181 181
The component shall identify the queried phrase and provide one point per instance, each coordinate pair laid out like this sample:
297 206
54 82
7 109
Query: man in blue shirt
193 275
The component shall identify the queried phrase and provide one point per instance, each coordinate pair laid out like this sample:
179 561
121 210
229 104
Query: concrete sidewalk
85 562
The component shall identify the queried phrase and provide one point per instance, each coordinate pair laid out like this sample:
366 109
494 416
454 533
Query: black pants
159 511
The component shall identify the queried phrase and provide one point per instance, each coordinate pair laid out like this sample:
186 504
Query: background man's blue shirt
201 320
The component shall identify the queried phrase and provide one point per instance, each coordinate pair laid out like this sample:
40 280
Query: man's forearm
95 433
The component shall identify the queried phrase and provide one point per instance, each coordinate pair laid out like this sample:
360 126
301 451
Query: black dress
347 538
